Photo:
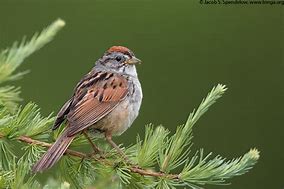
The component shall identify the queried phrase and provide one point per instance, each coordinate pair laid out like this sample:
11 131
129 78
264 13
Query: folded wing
93 99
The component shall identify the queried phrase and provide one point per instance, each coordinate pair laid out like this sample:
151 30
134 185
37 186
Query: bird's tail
54 153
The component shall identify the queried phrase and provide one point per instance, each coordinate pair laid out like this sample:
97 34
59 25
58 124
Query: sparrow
106 100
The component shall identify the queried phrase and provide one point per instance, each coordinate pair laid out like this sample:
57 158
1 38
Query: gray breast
122 117
131 105
135 96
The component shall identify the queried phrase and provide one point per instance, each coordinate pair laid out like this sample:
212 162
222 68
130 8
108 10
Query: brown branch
153 173
134 169
45 144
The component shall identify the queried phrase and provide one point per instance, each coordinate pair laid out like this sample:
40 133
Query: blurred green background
186 49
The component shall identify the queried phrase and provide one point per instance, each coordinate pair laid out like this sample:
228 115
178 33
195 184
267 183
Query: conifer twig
11 58
45 144
133 169
154 173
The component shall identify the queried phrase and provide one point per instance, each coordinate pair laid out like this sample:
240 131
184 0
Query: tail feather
54 153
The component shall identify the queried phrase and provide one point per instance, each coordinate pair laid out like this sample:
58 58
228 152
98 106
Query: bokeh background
186 49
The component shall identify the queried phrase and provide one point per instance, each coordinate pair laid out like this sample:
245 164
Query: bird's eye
118 58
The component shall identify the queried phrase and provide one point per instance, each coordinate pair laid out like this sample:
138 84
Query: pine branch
148 149
217 170
27 125
13 57
81 155
45 144
177 150
204 172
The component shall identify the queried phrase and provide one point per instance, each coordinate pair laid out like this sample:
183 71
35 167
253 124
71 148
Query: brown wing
94 98
89 78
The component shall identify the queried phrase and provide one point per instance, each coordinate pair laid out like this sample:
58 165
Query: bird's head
119 59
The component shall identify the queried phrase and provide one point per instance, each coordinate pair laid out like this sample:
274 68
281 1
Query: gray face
118 62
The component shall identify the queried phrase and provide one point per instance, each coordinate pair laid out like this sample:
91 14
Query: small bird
107 100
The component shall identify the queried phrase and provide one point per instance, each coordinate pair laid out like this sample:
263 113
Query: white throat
125 70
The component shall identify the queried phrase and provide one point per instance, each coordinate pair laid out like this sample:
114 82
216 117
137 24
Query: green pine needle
55 184
13 57
148 150
7 154
178 148
217 170
10 97
6 177
27 122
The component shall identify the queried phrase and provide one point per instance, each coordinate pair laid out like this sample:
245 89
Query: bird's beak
133 60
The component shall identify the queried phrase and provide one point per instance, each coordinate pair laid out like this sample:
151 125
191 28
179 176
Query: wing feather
62 114
99 100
